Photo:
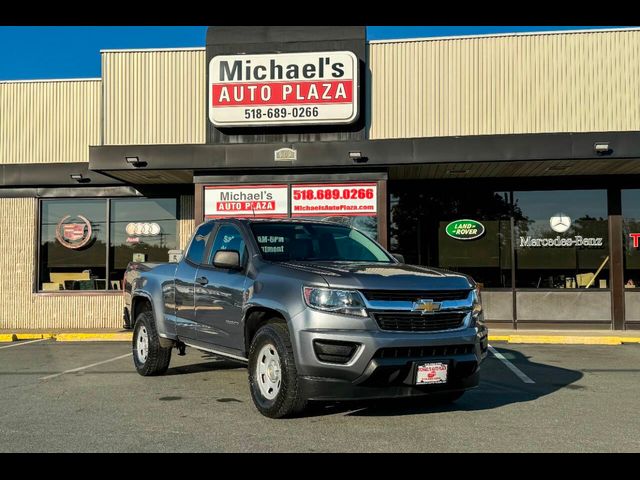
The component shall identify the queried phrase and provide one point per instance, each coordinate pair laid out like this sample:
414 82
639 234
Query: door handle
202 280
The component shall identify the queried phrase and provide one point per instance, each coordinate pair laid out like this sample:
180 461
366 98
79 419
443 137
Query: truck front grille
424 351
416 322
414 295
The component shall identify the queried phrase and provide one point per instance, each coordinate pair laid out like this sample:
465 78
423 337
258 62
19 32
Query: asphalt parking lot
551 398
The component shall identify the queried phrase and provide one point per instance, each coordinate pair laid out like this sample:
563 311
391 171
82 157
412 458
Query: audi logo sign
145 229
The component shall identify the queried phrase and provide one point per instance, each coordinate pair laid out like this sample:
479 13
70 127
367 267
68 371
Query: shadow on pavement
212 364
498 387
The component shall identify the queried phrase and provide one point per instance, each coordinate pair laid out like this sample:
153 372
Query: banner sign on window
283 89
259 201
344 199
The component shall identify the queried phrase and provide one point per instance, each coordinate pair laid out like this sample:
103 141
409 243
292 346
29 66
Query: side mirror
229 259
399 257
175 256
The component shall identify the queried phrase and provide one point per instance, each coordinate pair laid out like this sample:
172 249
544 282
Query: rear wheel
273 377
148 356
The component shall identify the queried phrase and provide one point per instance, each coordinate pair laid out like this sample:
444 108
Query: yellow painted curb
565 340
93 337
14 337
499 338
68 337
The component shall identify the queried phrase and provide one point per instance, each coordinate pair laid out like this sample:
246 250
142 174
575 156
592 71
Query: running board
217 352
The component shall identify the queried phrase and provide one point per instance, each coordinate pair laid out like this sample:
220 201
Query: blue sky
73 52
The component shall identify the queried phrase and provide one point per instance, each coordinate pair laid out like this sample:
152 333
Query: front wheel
273 377
149 357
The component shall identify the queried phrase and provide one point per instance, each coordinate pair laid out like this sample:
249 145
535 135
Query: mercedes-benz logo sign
145 229
560 222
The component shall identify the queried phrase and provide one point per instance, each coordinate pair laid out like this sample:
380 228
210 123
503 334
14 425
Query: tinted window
561 239
228 238
418 230
631 240
142 229
199 243
315 242
73 239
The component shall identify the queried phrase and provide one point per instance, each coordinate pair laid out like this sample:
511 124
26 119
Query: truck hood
383 276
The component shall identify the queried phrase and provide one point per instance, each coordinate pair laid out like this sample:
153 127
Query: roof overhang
486 155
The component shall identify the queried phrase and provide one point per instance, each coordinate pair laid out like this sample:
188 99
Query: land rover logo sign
465 229
74 232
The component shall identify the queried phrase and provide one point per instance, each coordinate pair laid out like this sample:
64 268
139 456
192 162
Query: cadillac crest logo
74 234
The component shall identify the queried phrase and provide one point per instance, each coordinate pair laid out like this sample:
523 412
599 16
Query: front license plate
429 373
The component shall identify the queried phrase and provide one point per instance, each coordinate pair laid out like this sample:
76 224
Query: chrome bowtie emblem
426 306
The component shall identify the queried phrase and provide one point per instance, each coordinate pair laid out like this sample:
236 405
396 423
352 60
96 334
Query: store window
86 244
73 245
142 229
631 237
454 229
561 239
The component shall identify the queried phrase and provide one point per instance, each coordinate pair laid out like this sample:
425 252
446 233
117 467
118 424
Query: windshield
283 242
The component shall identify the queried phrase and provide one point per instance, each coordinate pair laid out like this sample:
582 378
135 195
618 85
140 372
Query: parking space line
519 373
85 367
17 344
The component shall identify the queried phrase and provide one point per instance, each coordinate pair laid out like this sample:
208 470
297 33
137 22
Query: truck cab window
228 238
199 243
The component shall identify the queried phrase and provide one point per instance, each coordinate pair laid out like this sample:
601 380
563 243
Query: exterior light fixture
601 148
134 161
77 177
357 157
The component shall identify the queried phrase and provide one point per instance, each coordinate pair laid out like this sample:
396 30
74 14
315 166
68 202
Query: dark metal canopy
553 154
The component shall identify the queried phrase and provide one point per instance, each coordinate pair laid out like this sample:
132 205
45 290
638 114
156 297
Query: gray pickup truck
318 311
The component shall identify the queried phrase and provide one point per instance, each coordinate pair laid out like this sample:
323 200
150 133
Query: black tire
158 357
289 399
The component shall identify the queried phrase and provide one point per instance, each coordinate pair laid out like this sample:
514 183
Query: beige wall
186 221
20 308
49 121
154 97
575 82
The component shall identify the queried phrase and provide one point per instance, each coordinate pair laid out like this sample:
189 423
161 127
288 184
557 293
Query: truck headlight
347 302
477 302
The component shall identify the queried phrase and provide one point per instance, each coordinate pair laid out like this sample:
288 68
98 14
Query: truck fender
165 340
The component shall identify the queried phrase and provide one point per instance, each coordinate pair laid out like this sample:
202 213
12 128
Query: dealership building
512 158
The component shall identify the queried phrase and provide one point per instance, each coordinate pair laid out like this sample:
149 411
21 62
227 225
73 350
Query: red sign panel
256 201
343 199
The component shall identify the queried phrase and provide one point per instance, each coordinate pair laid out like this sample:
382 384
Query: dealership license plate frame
438 379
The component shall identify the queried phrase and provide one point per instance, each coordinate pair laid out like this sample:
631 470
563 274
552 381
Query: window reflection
72 251
74 245
142 230
418 220
631 237
562 239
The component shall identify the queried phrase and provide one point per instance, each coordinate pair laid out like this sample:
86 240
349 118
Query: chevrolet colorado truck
317 310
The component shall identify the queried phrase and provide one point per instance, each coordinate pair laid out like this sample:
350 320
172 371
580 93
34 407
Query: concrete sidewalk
562 337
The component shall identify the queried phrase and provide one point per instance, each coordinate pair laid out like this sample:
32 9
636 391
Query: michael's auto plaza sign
283 89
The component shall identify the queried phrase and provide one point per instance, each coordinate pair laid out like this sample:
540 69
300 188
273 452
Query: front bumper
368 374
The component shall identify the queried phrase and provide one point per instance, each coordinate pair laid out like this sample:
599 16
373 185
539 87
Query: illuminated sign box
283 89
